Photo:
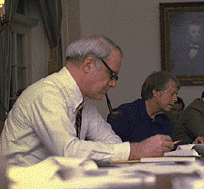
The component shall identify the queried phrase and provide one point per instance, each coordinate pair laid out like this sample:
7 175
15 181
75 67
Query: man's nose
175 98
112 83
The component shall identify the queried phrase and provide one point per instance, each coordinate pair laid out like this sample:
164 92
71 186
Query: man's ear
88 64
155 93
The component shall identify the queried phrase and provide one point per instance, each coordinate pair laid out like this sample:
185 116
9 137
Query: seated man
175 112
145 117
48 120
178 108
190 128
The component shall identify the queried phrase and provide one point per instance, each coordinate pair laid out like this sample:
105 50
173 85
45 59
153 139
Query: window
18 65
21 42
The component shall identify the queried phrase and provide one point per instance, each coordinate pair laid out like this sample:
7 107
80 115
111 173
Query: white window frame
16 64
21 26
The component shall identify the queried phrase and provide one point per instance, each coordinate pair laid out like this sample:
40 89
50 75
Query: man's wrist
135 151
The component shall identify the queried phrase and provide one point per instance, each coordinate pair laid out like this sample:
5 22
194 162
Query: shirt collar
144 115
73 91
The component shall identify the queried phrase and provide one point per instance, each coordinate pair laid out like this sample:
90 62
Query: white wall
134 26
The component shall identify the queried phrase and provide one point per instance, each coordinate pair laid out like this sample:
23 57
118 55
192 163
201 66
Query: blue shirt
135 124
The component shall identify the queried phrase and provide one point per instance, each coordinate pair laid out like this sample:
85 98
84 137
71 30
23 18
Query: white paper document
165 159
195 150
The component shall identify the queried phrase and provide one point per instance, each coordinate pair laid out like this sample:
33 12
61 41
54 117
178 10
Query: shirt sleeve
193 121
181 133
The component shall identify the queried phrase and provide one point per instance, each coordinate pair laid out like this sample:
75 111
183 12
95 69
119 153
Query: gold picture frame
182 41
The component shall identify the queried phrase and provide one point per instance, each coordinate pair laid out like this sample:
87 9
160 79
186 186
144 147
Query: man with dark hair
145 117
178 108
190 127
53 118
175 112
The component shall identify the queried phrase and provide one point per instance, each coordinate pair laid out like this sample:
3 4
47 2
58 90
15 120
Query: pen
176 142
126 161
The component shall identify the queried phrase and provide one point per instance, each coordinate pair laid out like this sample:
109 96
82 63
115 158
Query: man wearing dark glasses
53 118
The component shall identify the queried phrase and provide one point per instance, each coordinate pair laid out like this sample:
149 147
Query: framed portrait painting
182 41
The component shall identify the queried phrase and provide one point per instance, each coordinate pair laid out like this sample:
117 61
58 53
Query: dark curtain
5 57
51 11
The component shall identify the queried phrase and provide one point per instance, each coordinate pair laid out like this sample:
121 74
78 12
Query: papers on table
165 159
195 150
50 173
63 173
59 172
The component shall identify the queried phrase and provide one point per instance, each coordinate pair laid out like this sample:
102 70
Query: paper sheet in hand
196 150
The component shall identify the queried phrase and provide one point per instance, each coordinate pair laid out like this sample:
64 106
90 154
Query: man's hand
154 146
199 140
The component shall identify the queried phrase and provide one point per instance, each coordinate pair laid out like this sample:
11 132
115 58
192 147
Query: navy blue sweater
136 125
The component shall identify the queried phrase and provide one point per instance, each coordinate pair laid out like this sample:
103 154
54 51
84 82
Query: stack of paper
194 150
165 159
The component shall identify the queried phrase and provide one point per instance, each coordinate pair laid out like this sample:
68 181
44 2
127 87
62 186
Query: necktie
78 121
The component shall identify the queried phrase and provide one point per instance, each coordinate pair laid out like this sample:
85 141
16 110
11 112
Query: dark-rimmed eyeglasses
113 74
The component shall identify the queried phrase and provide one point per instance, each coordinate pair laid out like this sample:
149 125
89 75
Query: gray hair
157 81
98 46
